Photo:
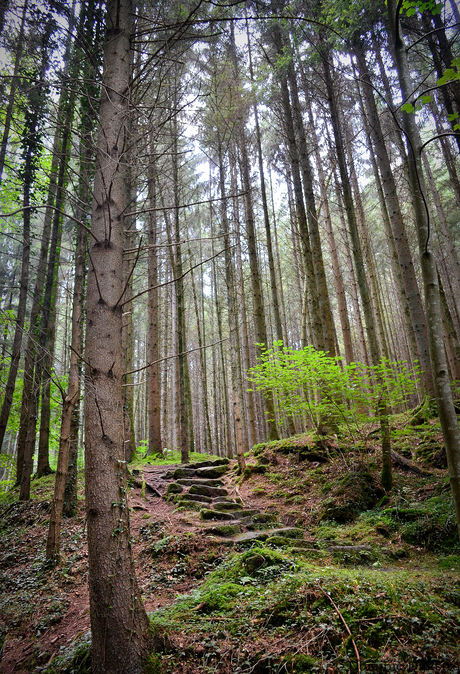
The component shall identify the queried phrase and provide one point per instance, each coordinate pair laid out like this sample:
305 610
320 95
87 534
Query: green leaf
408 107
426 99
452 117
448 76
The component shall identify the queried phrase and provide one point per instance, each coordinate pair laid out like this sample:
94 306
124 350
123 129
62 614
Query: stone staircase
205 487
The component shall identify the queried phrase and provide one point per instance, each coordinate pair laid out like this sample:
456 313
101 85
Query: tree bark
386 475
411 289
155 442
447 416
119 623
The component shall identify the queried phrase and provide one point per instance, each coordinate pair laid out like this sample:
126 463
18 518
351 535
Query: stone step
207 491
251 536
199 498
224 530
285 542
264 518
184 472
241 514
287 532
211 471
204 483
227 506
207 514
227 499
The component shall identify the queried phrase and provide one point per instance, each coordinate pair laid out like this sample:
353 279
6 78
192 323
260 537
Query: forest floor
373 586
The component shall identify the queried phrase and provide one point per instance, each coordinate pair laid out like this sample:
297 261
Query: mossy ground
279 606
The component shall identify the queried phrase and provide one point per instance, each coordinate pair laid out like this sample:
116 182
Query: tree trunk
14 81
155 443
417 313
69 402
386 475
263 192
447 416
258 303
119 623
235 357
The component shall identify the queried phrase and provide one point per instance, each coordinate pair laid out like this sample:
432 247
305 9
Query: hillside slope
302 564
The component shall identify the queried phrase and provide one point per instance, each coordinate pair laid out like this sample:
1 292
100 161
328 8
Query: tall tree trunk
119 623
155 443
338 280
13 87
69 401
386 475
27 177
324 305
447 416
235 357
411 289
258 303
263 192
241 300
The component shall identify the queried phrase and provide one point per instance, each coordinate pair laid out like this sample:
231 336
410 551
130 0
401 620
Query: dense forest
222 225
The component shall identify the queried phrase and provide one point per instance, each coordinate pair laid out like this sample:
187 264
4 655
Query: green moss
451 563
152 665
301 663
351 495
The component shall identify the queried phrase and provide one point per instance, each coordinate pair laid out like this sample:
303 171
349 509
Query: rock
207 491
251 536
287 532
174 488
207 463
311 553
255 526
225 506
279 541
263 518
188 482
349 548
207 514
211 471
223 530
350 496
184 472
254 563
284 542
193 497
227 499
240 514
383 530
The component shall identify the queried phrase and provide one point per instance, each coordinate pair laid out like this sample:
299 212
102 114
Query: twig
183 353
167 283
67 215
358 659
95 276
130 274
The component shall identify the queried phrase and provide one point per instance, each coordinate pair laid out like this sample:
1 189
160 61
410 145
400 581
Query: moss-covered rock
350 496
212 471
225 530
207 514
174 488
227 507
